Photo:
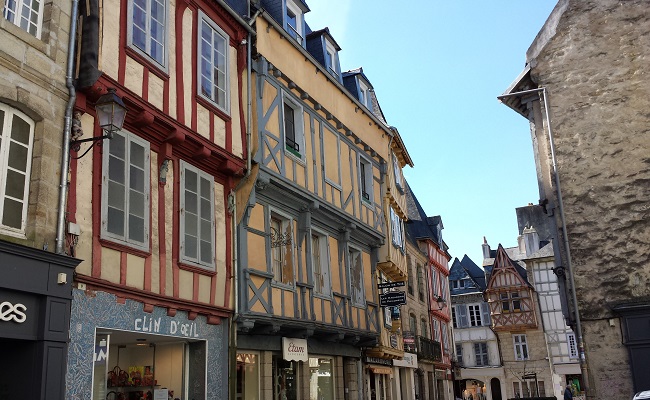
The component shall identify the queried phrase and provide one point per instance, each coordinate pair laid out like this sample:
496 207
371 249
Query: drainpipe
65 148
574 298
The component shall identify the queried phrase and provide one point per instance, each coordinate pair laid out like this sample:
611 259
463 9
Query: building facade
36 283
147 207
319 223
479 369
584 92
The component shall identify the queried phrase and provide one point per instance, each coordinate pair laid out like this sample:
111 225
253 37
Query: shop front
118 351
285 368
378 376
35 295
405 368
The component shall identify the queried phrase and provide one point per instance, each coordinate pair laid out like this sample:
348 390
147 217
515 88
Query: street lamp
111 113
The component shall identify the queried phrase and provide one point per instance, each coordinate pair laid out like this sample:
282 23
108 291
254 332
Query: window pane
206 230
20 130
115 221
12 213
116 170
116 195
206 252
136 203
190 247
15 185
137 179
191 206
191 181
191 225
117 146
136 228
17 157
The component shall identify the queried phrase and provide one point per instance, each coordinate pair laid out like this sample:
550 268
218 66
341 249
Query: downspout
65 148
574 298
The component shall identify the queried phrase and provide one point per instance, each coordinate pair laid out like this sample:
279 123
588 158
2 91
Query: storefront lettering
296 349
148 324
14 312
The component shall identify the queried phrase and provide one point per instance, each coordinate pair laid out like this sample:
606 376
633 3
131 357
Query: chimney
531 240
486 249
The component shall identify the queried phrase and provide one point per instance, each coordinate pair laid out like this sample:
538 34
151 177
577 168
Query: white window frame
364 95
285 221
299 128
15 15
146 52
397 229
474 312
362 290
6 129
366 179
331 58
211 266
398 173
481 354
572 345
218 34
292 7
127 206
459 354
520 347
324 254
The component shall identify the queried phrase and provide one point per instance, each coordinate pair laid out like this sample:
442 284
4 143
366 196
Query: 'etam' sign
294 349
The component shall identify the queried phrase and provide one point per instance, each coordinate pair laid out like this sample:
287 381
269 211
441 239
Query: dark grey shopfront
35 296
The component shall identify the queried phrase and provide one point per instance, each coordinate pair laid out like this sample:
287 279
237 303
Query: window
445 337
320 264
398 173
396 223
125 190
573 345
293 127
213 63
510 302
331 59
453 317
474 315
16 139
462 319
365 177
459 353
364 95
423 327
413 324
321 378
356 278
197 217
481 354
27 14
147 29
281 249
294 21
421 288
411 277
521 347
505 303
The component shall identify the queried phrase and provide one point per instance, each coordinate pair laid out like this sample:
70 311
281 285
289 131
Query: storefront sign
393 341
294 349
392 299
175 328
381 370
390 285
12 312
377 360
410 360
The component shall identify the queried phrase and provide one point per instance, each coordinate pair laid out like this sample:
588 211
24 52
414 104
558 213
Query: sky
437 68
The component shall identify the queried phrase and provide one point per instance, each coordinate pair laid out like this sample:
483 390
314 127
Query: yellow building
320 221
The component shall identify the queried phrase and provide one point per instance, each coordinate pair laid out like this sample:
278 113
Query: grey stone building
585 91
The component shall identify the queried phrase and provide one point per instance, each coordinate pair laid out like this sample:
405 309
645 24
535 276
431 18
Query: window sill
110 243
155 68
198 269
285 286
289 151
211 106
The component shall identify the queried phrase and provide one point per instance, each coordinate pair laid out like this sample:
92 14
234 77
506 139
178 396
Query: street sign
390 285
392 299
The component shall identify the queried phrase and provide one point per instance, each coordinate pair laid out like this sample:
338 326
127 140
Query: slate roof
420 226
468 270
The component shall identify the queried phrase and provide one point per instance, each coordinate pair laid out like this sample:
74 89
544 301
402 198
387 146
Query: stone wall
595 66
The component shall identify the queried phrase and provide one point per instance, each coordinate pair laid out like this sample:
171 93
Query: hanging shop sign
390 285
294 349
409 360
392 299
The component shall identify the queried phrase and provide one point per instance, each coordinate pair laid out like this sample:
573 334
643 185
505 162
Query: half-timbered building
515 314
147 206
312 221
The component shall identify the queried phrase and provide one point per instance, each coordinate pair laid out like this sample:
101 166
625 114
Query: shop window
248 376
281 235
197 217
148 29
213 63
285 379
125 190
16 138
321 378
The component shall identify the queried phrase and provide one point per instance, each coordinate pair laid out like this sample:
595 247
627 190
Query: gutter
65 147
574 298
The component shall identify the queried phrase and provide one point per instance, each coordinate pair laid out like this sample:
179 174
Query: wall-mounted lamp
442 303
111 113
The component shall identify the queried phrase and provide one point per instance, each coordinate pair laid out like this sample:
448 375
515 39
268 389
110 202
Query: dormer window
331 59
294 21
364 95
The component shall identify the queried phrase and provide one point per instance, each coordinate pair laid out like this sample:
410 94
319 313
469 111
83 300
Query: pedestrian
568 395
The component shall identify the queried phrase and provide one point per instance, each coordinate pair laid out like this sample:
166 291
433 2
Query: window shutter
463 321
485 314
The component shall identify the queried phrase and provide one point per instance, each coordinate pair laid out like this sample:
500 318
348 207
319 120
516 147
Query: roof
467 269
323 32
420 227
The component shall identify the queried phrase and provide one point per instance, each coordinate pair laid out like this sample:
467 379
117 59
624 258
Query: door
495 388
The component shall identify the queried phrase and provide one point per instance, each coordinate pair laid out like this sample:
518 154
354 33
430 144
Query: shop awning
381 370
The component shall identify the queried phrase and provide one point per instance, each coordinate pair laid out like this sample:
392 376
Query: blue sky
437 68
